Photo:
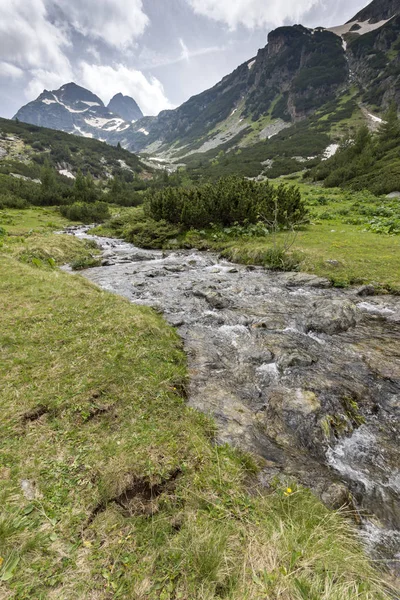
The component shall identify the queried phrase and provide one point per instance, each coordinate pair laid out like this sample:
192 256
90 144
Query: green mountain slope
24 148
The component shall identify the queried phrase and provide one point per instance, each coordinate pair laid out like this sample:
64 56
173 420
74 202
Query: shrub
151 234
9 200
232 200
86 213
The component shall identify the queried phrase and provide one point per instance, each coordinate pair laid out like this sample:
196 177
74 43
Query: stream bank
305 376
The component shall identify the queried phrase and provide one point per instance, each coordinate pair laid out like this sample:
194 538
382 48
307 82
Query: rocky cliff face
298 71
375 64
378 10
125 107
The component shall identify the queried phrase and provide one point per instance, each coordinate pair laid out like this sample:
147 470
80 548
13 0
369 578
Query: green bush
86 213
232 200
151 234
9 200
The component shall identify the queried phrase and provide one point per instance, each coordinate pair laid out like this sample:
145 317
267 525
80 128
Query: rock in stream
305 376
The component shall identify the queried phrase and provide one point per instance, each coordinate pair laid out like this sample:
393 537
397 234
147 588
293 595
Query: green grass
339 243
128 497
29 237
21 222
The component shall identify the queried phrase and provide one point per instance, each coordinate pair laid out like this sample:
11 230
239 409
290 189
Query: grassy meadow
111 487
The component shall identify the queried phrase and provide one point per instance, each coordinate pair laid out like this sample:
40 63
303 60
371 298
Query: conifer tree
390 128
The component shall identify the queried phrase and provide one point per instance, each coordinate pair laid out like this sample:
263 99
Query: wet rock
258 358
107 263
154 274
303 279
214 298
176 268
336 496
332 316
265 362
141 257
296 359
176 321
366 290
301 401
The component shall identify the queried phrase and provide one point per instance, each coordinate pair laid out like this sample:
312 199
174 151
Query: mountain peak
125 107
72 93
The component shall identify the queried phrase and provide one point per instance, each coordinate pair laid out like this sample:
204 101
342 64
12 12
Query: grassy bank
28 236
352 238
111 487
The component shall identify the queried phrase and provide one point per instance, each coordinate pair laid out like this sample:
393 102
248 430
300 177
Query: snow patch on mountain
375 118
330 151
66 173
364 27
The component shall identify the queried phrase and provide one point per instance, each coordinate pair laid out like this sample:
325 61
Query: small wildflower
87 544
1 560
288 492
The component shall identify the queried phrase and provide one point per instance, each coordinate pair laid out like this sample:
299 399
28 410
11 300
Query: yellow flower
87 544
288 492
1 561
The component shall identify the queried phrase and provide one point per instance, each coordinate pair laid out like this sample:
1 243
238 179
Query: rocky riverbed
305 376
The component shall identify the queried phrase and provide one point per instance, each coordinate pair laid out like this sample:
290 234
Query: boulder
332 316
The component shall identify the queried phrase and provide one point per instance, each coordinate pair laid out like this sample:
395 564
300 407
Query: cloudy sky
161 52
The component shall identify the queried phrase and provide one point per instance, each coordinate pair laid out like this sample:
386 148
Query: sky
160 52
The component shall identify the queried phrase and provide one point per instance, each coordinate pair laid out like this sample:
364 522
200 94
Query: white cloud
41 79
104 79
11 71
253 13
117 22
149 59
185 55
29 43
28 39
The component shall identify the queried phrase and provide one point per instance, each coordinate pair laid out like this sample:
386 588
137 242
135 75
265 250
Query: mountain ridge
298 73
75 109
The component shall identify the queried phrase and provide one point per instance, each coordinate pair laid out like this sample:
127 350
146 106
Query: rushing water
306 376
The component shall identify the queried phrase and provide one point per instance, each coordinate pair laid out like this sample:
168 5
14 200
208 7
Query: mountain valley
200 339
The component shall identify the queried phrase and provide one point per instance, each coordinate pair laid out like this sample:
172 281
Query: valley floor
352 238
111 487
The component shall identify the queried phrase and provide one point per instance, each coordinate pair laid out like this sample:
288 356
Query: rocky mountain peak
72 93
125 107
284 37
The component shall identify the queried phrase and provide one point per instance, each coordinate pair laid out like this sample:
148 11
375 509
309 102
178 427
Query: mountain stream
303 375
